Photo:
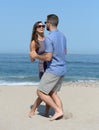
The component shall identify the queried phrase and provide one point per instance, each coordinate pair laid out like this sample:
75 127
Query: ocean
17 69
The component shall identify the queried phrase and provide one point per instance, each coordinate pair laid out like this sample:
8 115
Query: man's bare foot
57 116
31 113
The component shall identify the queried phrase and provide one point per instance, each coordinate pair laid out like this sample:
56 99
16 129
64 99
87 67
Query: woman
37 44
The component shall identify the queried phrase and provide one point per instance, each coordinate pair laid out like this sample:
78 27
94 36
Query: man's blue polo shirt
55 42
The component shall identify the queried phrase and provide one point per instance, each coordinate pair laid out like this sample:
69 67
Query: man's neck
52 28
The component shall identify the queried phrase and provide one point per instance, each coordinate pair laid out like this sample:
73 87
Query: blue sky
79 21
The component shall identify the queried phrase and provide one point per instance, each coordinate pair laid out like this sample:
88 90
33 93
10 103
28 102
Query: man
55 54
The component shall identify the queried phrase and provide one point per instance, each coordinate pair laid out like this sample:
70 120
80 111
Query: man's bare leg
56 99
48 100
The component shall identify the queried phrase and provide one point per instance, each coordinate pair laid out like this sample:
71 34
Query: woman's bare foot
32 112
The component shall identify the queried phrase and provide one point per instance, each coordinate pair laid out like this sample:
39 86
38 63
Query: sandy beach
80 101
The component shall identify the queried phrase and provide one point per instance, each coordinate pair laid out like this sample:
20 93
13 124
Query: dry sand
80 101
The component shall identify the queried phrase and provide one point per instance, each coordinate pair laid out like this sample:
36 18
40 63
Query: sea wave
18 83
3 83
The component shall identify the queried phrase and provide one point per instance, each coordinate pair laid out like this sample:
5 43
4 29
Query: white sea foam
18 83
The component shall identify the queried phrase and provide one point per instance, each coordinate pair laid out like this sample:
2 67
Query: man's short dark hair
53 19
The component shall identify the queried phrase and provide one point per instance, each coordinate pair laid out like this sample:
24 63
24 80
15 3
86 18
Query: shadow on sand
41 110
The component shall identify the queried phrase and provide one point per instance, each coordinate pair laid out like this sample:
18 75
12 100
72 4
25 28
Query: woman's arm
32 48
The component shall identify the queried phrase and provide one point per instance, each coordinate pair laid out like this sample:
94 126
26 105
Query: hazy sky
79 21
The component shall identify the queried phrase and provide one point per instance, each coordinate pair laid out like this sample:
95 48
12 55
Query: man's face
48 26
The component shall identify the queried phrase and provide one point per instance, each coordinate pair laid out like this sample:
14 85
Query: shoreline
80 83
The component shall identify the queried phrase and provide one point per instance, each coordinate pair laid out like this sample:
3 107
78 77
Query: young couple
51 52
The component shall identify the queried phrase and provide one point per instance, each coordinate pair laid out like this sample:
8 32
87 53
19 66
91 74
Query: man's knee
38 93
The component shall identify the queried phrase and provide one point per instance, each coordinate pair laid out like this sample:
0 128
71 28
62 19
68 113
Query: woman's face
40 28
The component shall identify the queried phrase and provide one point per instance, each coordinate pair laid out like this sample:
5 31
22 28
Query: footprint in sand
67 115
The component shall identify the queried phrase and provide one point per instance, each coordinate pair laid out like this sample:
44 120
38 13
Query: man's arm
45 57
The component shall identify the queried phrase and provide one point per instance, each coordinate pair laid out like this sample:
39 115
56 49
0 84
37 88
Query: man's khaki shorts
50 82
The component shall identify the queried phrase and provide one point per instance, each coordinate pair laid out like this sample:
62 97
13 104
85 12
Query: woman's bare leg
47 110
35 105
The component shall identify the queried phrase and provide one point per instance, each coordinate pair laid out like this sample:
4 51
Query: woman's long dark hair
34 34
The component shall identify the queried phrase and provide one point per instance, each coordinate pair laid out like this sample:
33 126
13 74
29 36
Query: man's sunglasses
39 26
46 22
